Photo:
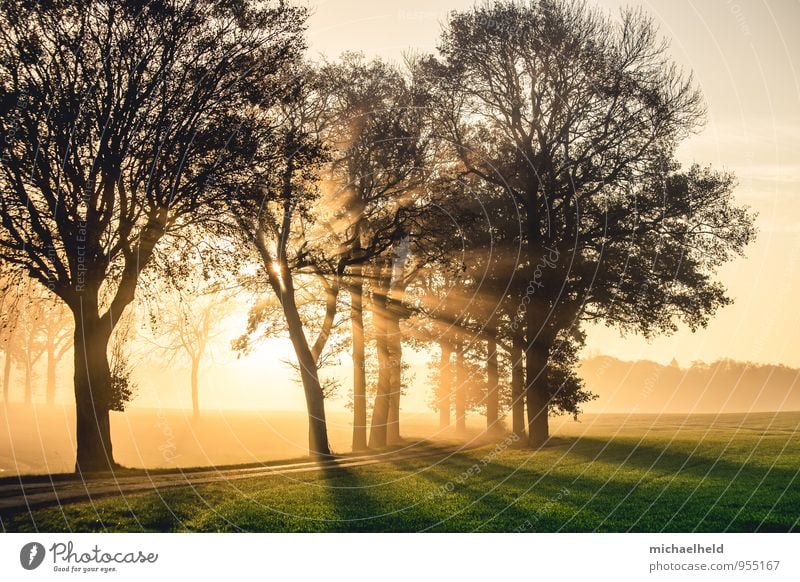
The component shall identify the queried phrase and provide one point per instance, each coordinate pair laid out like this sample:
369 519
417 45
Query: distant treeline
720 387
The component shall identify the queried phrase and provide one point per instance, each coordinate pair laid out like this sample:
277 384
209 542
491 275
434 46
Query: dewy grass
735 480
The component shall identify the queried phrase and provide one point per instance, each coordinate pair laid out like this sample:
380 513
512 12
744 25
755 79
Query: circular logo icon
31 555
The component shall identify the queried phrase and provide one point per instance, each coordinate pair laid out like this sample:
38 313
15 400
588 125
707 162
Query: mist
37 439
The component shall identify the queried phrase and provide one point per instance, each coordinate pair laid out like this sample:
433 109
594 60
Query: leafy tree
576 116
376 139
123 127
286 221
122 387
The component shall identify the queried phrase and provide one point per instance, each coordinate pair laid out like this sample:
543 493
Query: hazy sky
742 57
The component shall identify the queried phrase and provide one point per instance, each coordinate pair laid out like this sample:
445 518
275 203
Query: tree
470 295
123 127
9 319
34 324
285 219
186 324
54 329
375 136
122 386
29 345
576 116
58 334
390 279
433 321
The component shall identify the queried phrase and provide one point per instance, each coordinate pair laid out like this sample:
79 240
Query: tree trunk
461 388
493 388
537 308
378 432
92 385
536 396
445 383
359 361
28 379
395 345
51 375
517 388
195 403
309 375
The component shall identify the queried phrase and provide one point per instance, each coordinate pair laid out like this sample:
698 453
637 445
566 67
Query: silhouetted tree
29 345
9 318
123 125
377 145
122 388
35 324
576 116
58 334
288 221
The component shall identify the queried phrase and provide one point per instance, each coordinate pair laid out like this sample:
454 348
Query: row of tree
488 199
33 326
36 331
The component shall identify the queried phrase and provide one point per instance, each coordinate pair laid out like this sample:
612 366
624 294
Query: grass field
727 473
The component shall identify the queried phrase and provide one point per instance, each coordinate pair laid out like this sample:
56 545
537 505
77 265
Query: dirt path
28 493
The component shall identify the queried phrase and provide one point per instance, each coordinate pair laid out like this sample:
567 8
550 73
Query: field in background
40 440
608 473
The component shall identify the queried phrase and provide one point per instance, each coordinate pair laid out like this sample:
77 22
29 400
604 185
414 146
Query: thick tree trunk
283 285
359 362
517 389
195 389
445 383
461 388
380 410
395 347
90 345
536 344
92 385
493 387
315 398
536 396
50 390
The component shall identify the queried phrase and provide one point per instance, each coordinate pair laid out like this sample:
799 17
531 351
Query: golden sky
742 57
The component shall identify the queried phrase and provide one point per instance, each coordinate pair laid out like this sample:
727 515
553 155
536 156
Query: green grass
694 480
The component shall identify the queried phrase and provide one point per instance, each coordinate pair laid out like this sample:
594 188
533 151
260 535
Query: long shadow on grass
669 461
472 494
353 501
416 500
741 495
613 485
506 495
665 463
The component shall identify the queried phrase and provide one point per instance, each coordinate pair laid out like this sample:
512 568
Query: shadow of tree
606 485
580 485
